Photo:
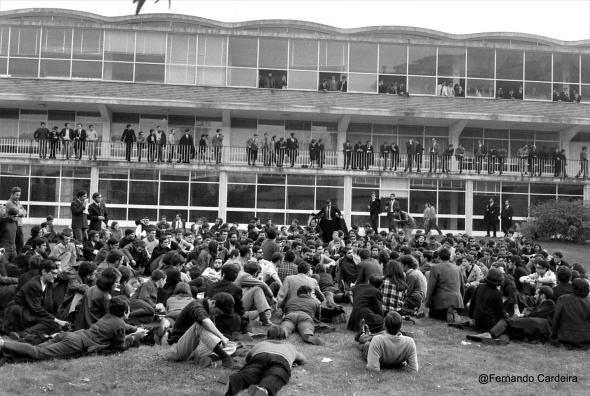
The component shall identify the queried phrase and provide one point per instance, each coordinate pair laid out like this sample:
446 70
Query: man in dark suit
394 150
330 220
97 213
347 150
128 138
292 148
374 210
385 149
161 142
445 289
490 217
419 150
410 153
79 141
187 147
506 217
393 210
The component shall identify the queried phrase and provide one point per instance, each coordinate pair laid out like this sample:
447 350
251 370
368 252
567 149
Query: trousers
265 369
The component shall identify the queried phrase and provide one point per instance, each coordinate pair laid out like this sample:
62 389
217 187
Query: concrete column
455 131
342 129
94 175
106 117
468 207
226 131
347 209
566 136
222 199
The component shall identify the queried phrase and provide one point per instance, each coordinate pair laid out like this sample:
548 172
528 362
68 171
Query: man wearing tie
393 210
79 141
410 152
67 135
330 217
506 217
374 210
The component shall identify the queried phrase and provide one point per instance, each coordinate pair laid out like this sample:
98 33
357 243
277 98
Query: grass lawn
447 366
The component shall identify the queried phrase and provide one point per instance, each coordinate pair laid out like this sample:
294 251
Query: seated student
269 272
29 312
571 322
114 259
92 246
78 284
95 301
255 293
542 277
292 283
195 333
229 273
65 250
486 307
533 324
564 285
393 288
144 302
213 274
367 305
390 349
301 312
268 366
181 297
327 286
107 333
416 283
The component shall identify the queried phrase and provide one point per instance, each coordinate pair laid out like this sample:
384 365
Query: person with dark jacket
97 213
8 231
79 222
95 301
490 217
445 288
564 285
229 273
367 267
571 322
367 305
486 307
187 147
128 138
374 207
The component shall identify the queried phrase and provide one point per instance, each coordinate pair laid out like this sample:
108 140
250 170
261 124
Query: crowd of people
95 288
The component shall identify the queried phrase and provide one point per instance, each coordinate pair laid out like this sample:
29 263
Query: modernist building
180 72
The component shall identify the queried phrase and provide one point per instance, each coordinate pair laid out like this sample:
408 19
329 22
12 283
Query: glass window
43 211
4 33
422 85
303 79
393 59
336 195
204 194
57 43
182 49
363 82
451 202
418 198
150 47
212 51
566 68
118 71
422 60
243 51
539 91
143 193
273 53
7 182
451 62
543 188
565 189
333 56
242 77
55 68
174 194
241 196
149 72
139 213
509 65
586 69
88 44
360 199
3 66
119 46
519 203
363 57
24 42
211 76
113 191
303 55
300 198
23 67
276 217
508 89
271 197
537 66
176 74
195 214
82 69
44 190
70 187
480 62
480 88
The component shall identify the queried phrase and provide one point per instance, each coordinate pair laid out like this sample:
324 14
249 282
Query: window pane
180 74
509 64
451 202
118 71
182 49
243 51
480 62
422 85
333 56
538 66
44 190
70 187
210 75
24 41
300 198
4 33
271 197
273 53
508 89
204 194
210 215
55 68
303 79
119 46
586 68
7 182
3 66
480 88
336 195
81 69
212 51
393 59
137 213
519 203
149 73
304 56
88 44
150 47
422 60
363 82
143 193
240 196
57 43
242 77
276 217
113 191
174 194
537 90
363 57
543 188
23 67
451 62
44 211
418 198
566 67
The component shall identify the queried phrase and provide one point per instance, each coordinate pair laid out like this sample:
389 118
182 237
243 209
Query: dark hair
289 256
303 267
564 274
86 268
108 278
38 241
47 266
408 261
393 322
376 280
364 253
118 306
113 256
244 250
271 233
303 290
395 275
444 254
251 268
276 256
81 193
157 275
172 258
276 333
230 271
225 302
580 287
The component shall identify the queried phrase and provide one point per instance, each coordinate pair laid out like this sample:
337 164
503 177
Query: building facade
382 85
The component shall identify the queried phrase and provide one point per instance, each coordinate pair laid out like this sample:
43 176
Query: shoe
203 362
255 390
451 315
479 337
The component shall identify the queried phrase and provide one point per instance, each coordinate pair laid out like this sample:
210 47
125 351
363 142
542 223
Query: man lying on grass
107 333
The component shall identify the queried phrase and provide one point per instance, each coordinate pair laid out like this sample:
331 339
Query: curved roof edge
321 28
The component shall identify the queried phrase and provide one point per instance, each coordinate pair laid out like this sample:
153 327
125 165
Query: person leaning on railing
41 135
583 163
92 140
459 154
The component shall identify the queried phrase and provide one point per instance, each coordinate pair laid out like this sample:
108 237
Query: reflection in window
81 69
204 194
143 193
566 67
57 43
422 85
150 47
211 76
538 91
118 71
509 64
393 59
174 194
300 198
273 53
333 56
212 51
113 191
363 57
451 62
243 51
480 88
303 55
422 61
271 197
274 79
509 90
395 85
240 196
537 66
24 42
119 46
333 82
242 77
181 49
88 44
70 187
480 62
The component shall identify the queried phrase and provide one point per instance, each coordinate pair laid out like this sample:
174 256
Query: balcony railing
328 159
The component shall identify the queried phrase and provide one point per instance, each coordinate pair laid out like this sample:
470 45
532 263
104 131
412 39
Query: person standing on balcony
347 150
53 138
533 160
384 150
151 146
41 135
446 158
14 203
92 139
410 153
280 148
171 144
67 135
459 154
563 162
523 155
433 155
419 150
480 152
292 148
128 138
161 142
321 154
252 149
501 154
583 163
394 151
141 140
217 143
203 148
187 147
80 141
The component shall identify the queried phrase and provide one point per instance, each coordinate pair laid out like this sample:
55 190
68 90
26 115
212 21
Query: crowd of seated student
506 286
